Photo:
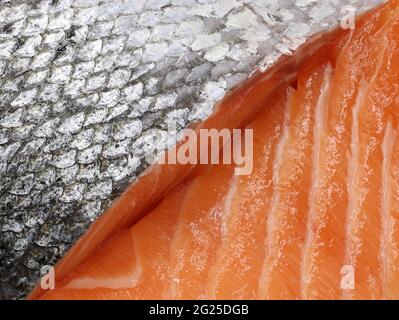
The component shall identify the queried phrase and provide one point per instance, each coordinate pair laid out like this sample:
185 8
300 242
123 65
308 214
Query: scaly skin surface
87 88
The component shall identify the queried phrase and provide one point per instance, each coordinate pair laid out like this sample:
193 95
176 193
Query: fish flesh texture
320 204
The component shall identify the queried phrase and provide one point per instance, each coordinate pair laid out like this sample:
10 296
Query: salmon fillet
320 205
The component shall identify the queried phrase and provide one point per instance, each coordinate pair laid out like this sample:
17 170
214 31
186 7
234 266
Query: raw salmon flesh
321 203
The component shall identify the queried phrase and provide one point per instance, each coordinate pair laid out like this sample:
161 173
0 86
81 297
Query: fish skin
76 77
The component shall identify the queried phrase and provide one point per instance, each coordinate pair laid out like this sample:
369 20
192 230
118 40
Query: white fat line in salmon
387 149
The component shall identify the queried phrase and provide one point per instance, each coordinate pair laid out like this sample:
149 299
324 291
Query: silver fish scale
87 88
